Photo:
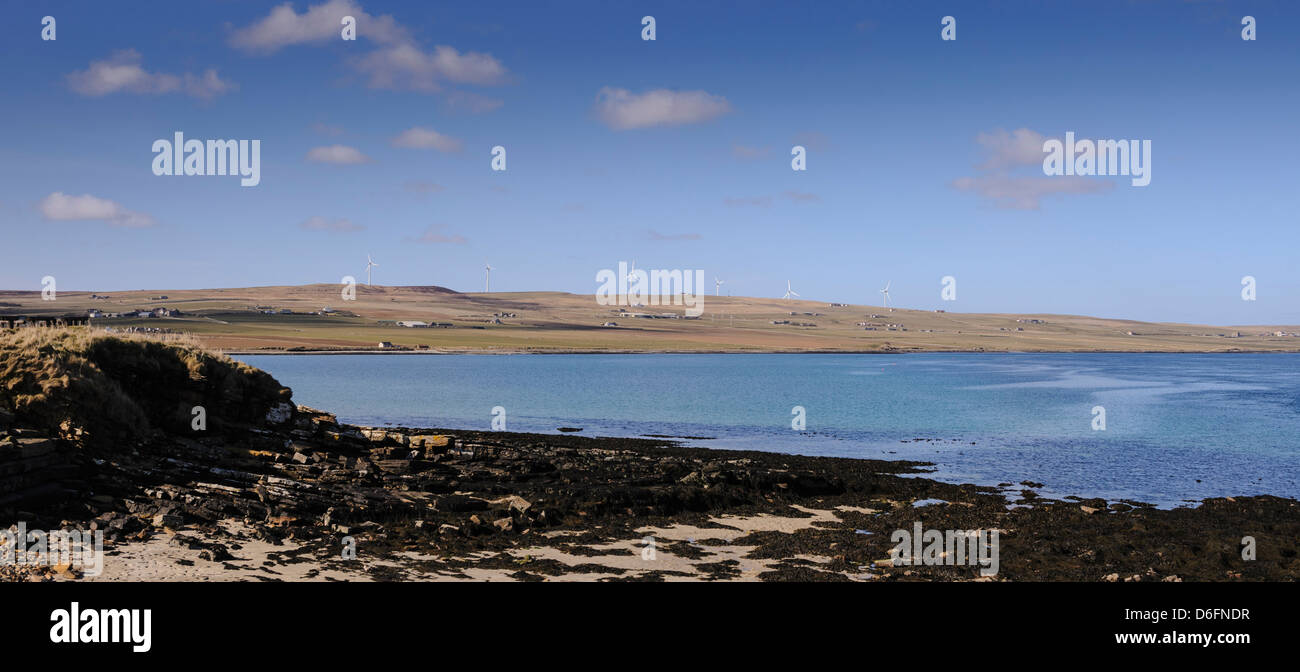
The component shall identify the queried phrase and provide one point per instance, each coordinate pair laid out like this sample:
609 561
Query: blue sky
917 164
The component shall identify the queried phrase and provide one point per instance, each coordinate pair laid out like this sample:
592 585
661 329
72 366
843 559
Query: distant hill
317 317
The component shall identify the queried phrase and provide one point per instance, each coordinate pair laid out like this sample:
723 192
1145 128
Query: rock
1110 578
27 448
504 524
459 504
299 447
300 458
431 441
280 413
512 503
215 553
395 466
167 520
446 528
814 484
1088 510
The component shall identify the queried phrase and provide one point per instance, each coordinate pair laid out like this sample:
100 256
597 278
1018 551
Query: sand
159 560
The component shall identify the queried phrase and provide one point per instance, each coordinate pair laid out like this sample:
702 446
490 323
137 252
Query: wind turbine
631 275
789 292
885 294
370 263
717 286
487 282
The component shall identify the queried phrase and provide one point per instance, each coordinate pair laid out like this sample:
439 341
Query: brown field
561 322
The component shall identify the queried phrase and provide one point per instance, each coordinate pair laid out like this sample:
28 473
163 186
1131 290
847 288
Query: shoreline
899 351
439 505
266 490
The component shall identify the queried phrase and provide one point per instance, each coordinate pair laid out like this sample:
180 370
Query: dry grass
558 322
89 383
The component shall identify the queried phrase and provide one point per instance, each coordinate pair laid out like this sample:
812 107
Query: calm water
1231 422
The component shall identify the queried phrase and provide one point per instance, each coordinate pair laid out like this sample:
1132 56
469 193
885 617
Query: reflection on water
1178 426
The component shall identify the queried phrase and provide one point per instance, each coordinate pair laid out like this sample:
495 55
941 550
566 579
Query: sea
1166 429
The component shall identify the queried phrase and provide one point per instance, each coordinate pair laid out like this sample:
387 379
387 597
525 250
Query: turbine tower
487 282
717 286
789 292
370 263
884 293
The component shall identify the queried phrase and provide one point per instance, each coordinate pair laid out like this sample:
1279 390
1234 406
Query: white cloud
284 27
208 85
407 66
1021 147
434 234
61 207
122 72
1021 151
341 154
330 225
621 109
426 138
1024 193
398 62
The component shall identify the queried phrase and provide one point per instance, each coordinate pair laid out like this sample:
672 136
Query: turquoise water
1230 421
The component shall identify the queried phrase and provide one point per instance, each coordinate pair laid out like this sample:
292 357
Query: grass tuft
106 387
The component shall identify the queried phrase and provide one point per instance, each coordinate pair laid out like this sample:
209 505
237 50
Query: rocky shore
273 491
